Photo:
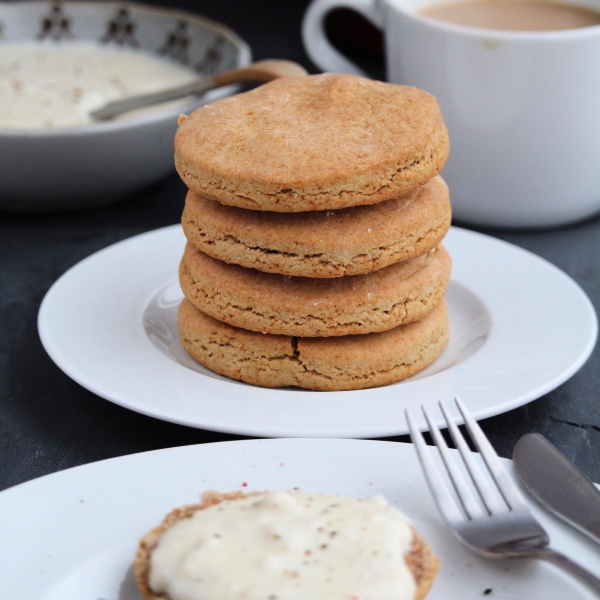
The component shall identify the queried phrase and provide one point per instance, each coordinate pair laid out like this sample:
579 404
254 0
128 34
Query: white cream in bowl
48 85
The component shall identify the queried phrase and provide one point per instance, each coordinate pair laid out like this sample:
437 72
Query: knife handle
565 563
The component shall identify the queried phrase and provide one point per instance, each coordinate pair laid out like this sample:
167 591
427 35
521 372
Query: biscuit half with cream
319 142
329 243
348 362
285 546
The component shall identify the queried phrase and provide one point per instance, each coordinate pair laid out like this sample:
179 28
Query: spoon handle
118 107
260 71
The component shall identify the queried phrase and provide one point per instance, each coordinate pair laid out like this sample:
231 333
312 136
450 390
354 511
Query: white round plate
73 535
519 328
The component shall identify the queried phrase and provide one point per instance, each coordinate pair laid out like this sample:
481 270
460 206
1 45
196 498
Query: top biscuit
319 142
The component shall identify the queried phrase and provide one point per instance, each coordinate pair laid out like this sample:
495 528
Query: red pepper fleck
244 484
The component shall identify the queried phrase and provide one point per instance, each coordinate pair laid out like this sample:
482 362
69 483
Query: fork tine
507 488
439 491
464 494
490 499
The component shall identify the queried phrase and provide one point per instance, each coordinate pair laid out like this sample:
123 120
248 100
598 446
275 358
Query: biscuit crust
329 363
307 307
350 241
319 142
422 560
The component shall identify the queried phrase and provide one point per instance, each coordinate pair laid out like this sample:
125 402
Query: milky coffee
513 15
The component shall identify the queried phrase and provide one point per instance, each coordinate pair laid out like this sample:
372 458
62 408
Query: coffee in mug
513 15
521 107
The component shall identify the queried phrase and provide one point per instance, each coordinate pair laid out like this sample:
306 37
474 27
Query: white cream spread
286 546
48 85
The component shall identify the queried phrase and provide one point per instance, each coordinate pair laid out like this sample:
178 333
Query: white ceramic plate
520 327
73 535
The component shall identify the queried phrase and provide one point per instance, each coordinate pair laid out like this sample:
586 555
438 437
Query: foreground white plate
73 535
520 327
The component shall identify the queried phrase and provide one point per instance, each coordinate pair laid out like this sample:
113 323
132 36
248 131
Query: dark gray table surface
49 423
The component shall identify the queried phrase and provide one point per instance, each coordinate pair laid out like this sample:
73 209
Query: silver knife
557 484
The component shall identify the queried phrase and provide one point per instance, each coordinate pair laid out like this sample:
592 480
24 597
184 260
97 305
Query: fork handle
560 560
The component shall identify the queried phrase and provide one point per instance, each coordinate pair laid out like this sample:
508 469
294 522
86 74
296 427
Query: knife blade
557 484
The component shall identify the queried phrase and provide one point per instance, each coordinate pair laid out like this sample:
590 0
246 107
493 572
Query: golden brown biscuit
332 243
334 363
308 307
421 560
319 142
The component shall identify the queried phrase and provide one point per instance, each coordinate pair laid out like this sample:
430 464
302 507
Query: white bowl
99 163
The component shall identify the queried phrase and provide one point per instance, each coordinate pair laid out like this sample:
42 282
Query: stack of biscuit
314 219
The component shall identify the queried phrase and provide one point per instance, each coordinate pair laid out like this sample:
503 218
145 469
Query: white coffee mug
522 108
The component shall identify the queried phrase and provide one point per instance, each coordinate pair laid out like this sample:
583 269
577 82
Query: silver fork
499 525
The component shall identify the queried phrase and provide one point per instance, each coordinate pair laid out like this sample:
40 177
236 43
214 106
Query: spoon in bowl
264 70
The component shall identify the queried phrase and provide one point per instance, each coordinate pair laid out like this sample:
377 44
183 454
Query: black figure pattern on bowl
177 43
56 25
121 30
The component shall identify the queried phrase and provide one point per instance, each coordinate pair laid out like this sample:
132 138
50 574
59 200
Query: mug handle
316 44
